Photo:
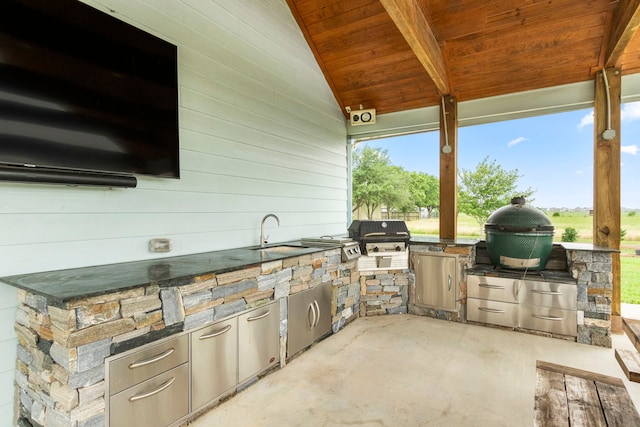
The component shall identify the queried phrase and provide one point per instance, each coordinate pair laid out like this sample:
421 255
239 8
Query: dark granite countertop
489 270
60 286
426 240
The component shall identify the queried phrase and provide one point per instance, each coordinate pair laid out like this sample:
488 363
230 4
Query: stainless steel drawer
159 401
493 312
144 364
547 294
493 288
553 320
214 361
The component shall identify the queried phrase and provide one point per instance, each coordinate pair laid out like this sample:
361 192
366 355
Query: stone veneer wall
384 292
60 370
593 273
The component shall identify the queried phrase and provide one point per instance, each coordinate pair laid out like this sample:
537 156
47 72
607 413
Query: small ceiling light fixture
362 116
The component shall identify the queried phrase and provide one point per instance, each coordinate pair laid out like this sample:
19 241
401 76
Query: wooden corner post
449 168
606 176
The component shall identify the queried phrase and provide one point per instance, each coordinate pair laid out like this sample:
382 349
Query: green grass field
583 223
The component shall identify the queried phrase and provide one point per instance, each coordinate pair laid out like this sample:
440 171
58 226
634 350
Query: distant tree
425 191
373 179
486 189
397 194
570 235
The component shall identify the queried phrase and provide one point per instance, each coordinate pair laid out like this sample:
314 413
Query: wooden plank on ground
630 363
580 373
631 327
551 400
617 406
583 403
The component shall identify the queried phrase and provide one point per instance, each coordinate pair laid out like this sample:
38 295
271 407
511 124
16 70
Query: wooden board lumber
551 407
630 363
584 405
568 396
617 406
631 327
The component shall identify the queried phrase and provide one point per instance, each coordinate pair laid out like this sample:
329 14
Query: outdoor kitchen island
569 299
73 324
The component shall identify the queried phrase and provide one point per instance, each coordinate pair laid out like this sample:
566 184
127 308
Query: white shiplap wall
260 132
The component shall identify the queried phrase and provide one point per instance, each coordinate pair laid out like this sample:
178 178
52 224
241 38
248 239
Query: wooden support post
606 177
449 169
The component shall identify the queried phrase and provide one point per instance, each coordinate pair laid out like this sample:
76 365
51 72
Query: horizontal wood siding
260 132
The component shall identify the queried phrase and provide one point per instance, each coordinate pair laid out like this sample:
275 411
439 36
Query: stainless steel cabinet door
259 340
214 361
309 317
322 304
436 280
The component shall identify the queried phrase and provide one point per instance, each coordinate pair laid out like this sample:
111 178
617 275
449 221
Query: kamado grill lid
518 217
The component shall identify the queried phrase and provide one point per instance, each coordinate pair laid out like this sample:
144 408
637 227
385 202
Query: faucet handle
266 239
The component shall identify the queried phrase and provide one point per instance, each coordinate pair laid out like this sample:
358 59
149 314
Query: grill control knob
376 249
398 248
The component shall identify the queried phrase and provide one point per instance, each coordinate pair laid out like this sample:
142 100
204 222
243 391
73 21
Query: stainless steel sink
280 249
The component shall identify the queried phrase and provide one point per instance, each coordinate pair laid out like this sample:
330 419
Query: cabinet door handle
449 283
262 316
491 310
216 334
311 322
152 359
553 318
151 393
315 302
536 291
488 286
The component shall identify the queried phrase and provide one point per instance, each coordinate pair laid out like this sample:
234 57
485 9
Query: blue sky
552 153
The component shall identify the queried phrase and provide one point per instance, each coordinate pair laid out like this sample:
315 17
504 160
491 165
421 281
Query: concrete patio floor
406 370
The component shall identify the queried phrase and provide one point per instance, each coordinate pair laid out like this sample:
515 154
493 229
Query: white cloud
587 120
516 141
579 172
630 149
630 111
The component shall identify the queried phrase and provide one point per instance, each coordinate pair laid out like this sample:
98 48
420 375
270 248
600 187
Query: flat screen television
84 94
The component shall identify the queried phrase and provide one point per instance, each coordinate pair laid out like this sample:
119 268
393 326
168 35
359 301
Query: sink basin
280 249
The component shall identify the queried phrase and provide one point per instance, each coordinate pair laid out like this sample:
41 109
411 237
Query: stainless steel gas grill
384 244
350 248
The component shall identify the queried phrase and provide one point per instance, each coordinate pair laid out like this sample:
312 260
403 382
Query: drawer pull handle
535 291
151 393
216 334
555 319
488 286
152 360
490 310
262 316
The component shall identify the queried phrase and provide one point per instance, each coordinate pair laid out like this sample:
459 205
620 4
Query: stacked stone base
384 291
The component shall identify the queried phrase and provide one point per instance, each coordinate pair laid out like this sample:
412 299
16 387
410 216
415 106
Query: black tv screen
82 90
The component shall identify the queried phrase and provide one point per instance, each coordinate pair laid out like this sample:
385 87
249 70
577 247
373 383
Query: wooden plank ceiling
396 55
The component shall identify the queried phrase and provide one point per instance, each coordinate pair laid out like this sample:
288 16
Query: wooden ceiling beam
626 21
415 28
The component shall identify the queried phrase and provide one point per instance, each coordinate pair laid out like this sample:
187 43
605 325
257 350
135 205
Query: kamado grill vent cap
518 217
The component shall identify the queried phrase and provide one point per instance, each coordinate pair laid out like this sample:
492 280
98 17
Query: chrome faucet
263 239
